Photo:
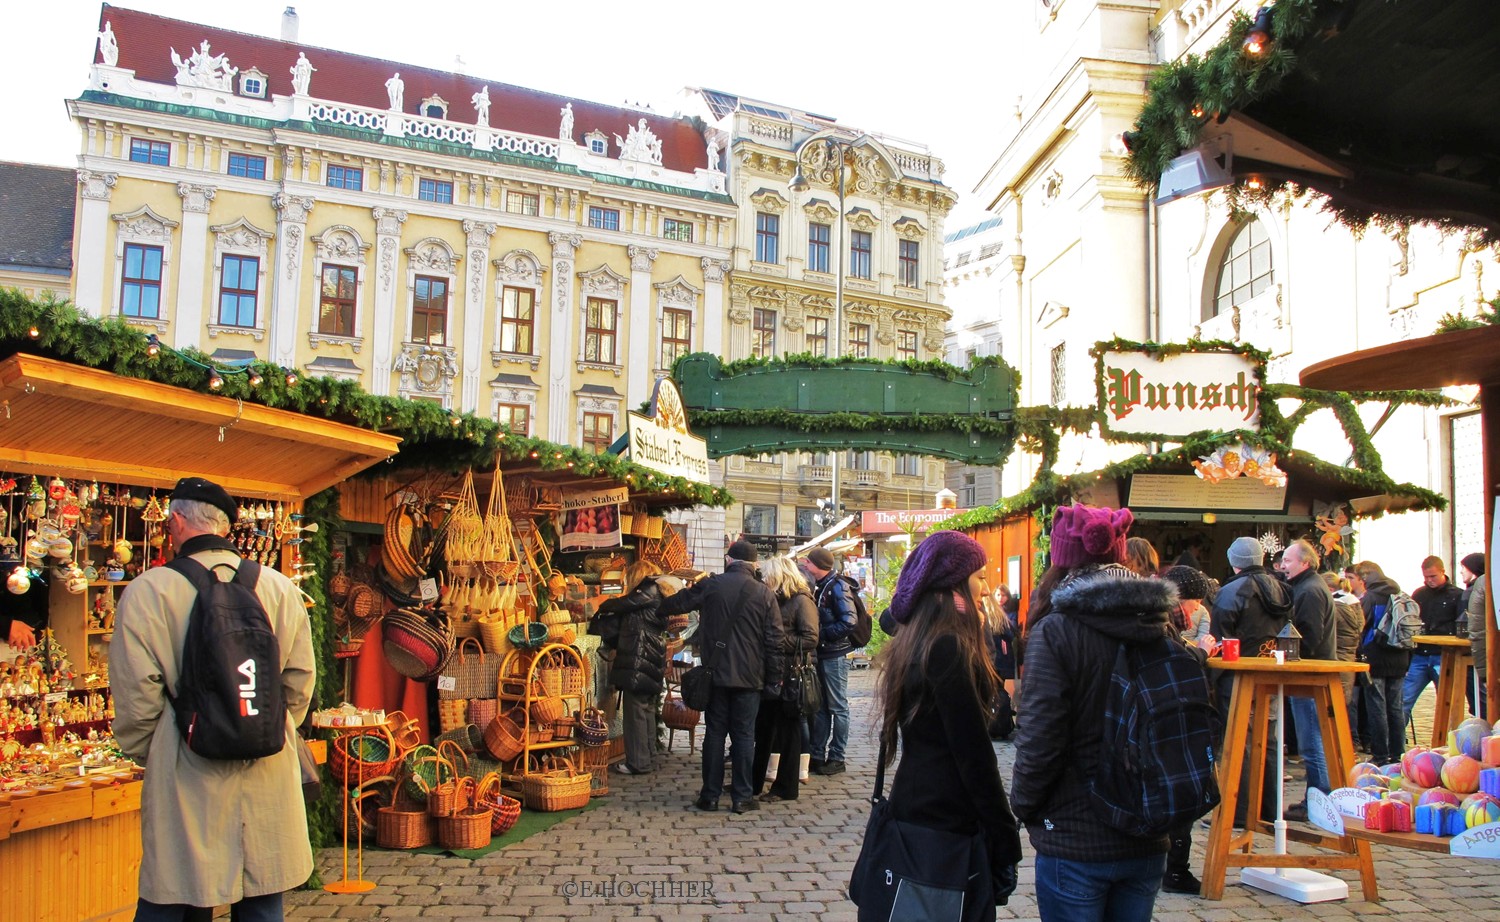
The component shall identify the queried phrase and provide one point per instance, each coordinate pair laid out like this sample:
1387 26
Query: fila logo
247 689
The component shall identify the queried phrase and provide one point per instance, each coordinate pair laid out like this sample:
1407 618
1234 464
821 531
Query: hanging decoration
1332 522
1241 460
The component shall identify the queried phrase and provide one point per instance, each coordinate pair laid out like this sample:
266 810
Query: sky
869 64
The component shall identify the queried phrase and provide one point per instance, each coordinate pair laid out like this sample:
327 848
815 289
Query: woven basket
364 801
505 810
492 635
555 615
548 709
557 786
505 737
469 825
338 587
355 758
539 733
599 781
363 602
346 647
425 769
452 713
482 711
676 624
417 642
403 824
469 738
444 797
676 714
562 727
528 636
562 633
593 729
405 731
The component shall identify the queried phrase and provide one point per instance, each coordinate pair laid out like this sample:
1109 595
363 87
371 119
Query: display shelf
525 664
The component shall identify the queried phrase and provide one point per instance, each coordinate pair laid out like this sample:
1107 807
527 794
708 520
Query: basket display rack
520 687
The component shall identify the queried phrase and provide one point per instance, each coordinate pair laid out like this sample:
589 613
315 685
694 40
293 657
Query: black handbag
911 873
803 689
698 687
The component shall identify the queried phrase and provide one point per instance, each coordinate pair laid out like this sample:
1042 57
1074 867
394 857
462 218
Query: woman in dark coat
632 637
778 724
934 692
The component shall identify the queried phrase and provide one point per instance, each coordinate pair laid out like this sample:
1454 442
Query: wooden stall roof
59 418
1442 360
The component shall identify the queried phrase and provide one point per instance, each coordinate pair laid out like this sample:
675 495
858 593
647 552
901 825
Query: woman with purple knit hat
1085 869
935 688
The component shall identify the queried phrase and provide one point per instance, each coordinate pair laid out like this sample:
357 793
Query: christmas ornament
19 581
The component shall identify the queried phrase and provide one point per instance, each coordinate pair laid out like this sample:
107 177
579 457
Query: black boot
1179 878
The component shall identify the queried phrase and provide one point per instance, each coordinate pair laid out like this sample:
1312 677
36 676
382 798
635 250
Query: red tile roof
146 41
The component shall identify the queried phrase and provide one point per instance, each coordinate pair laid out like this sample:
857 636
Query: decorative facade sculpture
210 71
302 73
565 129
640 144
395 88
481 101
109 48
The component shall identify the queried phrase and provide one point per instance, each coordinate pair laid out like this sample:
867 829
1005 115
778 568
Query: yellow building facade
256 198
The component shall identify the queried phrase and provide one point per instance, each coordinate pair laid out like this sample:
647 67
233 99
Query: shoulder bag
803 690
916 873
698 683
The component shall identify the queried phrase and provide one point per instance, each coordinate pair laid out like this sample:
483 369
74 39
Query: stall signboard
1173 396
890 522
1191 493
591 518
662 441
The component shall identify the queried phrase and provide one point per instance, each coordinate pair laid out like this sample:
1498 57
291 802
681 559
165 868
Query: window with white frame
1245 270
861 245
351 178
767 237
253 83
598 431
906 344
338 263
429 311
518 320
527 203
514 416
817 336
601 322
673 229
435 190
817 247
337 295
859 340
247 165
676 335
1059 374
239 291
140 282
763 333
156 153
909 265
604 218
242 257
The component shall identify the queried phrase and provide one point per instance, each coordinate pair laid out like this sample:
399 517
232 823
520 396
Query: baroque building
784 265
1091 256
497 250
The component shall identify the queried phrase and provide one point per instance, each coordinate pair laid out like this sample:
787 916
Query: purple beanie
1083 535
943 560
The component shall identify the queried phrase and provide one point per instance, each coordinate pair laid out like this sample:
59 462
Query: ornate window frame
241 238
254 74
601 282
594 402
518 269
597 143
340 245
433 102
434 257
676 294
146 228
518 395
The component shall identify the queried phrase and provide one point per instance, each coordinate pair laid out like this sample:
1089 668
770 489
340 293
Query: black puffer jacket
1253 605
799 621
739 627
1069 659
632 626
1385 661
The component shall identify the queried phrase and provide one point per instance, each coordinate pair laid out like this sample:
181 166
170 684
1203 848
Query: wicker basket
676 714
426 769
492 634
482 711
364 802
505 737
528 636
469 738
405 731
505 810
443 800
558 786
593 729
562 727
548 709
452 713
469 825
355 758
561 633
403 824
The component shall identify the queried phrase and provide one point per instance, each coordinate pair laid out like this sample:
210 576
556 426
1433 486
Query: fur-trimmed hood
1117 603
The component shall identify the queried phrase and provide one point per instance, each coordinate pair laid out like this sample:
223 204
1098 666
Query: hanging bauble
19 581
56 488
60 548
124 550
69 515
36 549
35 491
77 581
36 508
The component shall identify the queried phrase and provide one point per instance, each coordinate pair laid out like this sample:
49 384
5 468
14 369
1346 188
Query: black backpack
1157 769
863 624
229 702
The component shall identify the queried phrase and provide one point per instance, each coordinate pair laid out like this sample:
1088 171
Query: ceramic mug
1231 649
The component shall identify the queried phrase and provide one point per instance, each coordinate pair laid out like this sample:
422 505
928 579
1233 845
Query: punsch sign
1177 395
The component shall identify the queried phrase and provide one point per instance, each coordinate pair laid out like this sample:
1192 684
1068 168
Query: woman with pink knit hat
934 691
1085 869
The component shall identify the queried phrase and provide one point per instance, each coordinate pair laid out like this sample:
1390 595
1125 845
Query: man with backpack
227 827
1441 604
1388 665
837 620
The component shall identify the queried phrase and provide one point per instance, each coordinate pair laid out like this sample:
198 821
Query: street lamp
834 151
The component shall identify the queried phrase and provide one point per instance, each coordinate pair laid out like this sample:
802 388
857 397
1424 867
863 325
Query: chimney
289 24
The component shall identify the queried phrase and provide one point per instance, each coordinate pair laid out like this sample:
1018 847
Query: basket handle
367 789
464 643
454 761
404 732
482 792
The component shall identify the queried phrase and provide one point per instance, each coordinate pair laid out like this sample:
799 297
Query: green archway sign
805 403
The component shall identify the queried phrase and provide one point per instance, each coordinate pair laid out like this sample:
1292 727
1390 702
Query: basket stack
417 642
403 824
466 822
556 785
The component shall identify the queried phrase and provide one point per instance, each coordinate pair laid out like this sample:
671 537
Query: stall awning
1442 360
58 418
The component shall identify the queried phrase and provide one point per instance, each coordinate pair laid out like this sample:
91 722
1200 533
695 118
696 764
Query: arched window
1245 270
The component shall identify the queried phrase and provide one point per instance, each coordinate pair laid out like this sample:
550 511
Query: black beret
205 491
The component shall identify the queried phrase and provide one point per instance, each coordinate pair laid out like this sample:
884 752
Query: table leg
1260 741
1338 753
1442 714
1233 753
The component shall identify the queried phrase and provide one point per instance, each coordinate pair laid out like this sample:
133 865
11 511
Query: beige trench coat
213 832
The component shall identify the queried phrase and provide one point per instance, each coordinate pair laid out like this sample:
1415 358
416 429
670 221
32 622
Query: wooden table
1256 682
1453 675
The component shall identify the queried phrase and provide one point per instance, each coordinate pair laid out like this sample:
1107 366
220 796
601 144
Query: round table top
1442 640
1297 667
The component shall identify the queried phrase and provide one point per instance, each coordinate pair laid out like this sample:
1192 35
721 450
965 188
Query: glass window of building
859 340
603 319
767 238
676 335
860 251
238 286
910 269
598 432
817 247
515 416
435 190
247 165
763 333
346 177
156 153
673 229
336 297
604 218
1245 270
429 311
527 203
817 336
140 282
906 344
517 320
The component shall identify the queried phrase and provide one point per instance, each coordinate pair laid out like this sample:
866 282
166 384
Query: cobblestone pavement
787 861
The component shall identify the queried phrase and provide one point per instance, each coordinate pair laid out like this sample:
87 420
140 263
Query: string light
215 381
153 345
256 379
291 379
34 333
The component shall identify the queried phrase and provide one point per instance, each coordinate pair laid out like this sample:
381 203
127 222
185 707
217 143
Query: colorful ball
1438 796
1461 774
1422 767
1375 784
1360 770
1481 812
1468 738
1392 770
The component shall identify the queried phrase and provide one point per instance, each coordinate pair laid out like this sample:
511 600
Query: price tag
1323 813
447 683
1479 842
1351 801
428 588
54 697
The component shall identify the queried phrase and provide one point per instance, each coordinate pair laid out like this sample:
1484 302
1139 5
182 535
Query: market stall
86 458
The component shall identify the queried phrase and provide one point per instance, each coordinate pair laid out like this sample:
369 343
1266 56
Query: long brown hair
904 660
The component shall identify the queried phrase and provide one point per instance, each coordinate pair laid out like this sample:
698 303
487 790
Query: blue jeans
1423 669
250 909
830 726
1095 891
1310 742
731 712
1387 728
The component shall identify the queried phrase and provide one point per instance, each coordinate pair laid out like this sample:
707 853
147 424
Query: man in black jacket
739 637
1312 613
1441 604
1388 664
